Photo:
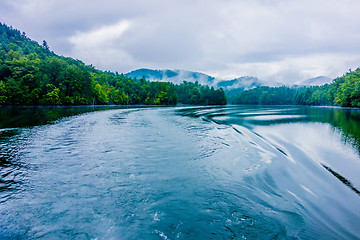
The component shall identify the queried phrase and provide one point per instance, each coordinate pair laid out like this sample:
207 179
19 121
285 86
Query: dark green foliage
194 93
348 89
287 96
31 74
323 95
266 96
343 91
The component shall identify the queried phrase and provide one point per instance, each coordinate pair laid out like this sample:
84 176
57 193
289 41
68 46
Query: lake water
230 172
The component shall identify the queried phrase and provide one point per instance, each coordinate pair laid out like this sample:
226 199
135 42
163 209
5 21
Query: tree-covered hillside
343 91
31 74
266 96
194 93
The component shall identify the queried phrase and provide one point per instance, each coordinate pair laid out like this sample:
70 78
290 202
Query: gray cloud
275 40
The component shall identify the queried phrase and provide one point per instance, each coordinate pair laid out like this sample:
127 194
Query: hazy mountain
174 76
242 82
318 81
178 76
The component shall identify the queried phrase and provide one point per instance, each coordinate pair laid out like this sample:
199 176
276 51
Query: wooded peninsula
343 91
32 74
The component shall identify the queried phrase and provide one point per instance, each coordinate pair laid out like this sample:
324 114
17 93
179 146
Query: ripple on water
188 173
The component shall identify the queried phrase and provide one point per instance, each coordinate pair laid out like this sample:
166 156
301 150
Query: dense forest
195 93
343 91
31 74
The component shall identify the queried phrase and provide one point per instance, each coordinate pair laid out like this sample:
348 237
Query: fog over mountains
246 82
174 76
318 81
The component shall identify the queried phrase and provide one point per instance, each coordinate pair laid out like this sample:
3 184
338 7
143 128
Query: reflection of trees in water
12 117
14 134
346 121
12 142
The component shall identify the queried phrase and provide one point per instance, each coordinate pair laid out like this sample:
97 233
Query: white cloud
99 37
272 39
293 68
100 45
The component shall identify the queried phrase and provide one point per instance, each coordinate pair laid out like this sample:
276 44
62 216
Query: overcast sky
275 40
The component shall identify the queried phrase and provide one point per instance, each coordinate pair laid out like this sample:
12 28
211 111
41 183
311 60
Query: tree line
197 94
343 91
31 74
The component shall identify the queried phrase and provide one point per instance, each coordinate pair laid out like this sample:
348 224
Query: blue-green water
230 172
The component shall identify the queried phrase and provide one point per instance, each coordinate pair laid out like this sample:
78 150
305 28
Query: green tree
53 96
3 93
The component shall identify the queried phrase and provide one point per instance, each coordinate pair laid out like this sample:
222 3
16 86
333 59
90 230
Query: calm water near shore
219 172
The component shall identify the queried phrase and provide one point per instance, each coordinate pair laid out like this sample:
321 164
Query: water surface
232 172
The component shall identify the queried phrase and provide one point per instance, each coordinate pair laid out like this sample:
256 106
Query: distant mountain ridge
240 83
178 76
317 81
174 76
